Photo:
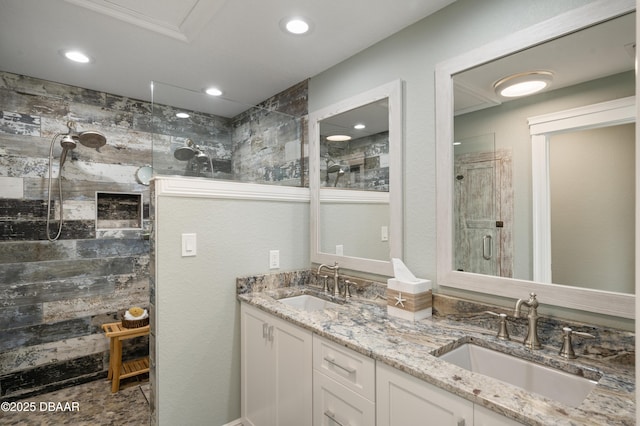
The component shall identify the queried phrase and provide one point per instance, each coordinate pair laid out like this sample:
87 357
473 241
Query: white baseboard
237 422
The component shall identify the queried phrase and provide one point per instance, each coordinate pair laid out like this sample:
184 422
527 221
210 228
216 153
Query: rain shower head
184 153
335 168
92 139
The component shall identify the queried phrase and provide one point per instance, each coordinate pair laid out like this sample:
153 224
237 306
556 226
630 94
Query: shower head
334 168
184 153
92 139
68 143
201 157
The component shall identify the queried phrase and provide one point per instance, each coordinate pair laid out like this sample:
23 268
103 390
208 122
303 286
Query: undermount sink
554 384
308 303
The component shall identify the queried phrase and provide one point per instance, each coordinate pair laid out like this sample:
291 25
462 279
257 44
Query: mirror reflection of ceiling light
523 84
213 91
338 138
359 126
182 115
76 56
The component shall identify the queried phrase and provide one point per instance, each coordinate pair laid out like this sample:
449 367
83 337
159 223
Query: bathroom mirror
356 181
461 106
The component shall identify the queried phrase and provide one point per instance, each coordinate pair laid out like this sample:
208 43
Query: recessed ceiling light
523 84
76 56
182 115
338 138
359 126
297 25
213 91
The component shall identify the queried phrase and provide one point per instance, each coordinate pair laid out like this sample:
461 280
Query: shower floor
96 406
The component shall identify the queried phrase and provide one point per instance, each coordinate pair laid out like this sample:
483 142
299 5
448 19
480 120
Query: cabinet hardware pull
270 334
332 417
334 363
265 329
486 247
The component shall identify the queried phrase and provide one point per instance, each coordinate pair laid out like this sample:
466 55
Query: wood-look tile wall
54 296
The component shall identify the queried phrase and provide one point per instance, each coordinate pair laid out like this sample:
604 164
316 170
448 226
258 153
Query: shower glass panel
198 135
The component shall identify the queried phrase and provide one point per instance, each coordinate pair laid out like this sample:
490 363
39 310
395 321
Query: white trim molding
176 186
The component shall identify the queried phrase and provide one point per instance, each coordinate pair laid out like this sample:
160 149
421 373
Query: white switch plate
189 245
384 233
274 259
340 250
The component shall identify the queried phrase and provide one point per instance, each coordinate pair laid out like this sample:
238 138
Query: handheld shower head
67 143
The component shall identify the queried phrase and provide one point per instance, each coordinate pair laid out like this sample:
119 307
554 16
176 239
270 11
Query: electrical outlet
274 259
340 250
384 233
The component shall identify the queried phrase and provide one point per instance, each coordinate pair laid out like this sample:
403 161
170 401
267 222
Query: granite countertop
362 324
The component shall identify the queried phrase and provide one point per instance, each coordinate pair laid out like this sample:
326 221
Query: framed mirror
503 147
355 178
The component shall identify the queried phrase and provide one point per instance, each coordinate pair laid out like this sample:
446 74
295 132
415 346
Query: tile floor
96 406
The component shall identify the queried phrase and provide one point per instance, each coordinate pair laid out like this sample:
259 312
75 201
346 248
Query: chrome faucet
334 268
531 340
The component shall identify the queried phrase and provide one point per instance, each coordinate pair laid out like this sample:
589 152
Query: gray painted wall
198 330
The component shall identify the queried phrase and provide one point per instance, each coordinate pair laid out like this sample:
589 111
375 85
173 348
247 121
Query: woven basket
134 323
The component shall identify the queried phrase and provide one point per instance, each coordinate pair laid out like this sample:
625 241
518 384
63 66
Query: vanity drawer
349 368
334 404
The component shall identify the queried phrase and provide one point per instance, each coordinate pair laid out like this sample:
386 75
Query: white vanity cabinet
404 400
276 370
343 386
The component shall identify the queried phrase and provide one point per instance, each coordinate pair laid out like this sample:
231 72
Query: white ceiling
237 45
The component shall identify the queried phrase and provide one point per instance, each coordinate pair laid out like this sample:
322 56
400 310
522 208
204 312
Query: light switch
189 246
340 249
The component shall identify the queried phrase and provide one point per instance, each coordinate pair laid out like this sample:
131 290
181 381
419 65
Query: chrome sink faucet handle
335 268
567 347
531 340
325 286
503 333
347 289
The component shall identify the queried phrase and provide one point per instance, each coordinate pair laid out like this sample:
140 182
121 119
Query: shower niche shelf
118 210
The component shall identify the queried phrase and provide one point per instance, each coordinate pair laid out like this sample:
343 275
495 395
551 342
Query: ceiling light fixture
213 91
182 115
296 26
523 84
76 56
359 126
338 138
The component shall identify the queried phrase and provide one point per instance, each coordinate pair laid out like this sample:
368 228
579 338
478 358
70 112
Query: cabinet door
403 400
256 368
334 404
293 374
276 371
485 417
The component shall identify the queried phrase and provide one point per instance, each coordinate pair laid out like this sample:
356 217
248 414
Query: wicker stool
117 370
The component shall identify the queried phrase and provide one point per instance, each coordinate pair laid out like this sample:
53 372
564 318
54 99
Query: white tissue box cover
414 287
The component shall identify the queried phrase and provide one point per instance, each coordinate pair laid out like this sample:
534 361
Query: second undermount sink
554 384
308 303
